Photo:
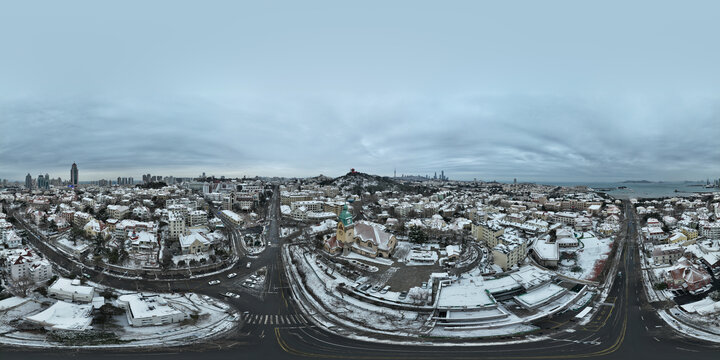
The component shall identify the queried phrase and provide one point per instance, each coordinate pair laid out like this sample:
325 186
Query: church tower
346 229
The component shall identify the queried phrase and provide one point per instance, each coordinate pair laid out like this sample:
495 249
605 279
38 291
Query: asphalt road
625 327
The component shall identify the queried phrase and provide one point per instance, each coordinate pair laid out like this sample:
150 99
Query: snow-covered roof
68 286
545 250
147 306
64 316
188 240
373 232
540 294
465 293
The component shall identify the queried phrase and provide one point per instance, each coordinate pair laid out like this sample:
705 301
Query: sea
644 190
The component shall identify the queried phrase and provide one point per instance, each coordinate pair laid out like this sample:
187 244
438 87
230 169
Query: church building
364 238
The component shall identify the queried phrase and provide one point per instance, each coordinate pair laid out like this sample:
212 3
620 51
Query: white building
11 239
197 217
117 211
71 290
194 243
25 264
149 310
176 225
711 230
232 217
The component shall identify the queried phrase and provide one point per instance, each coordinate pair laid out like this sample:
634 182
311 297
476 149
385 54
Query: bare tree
24 284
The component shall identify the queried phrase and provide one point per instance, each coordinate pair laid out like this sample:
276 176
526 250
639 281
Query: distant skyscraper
41 182
515 181
28 181
74 175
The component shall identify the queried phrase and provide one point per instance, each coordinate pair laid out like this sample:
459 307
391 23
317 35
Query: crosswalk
261 319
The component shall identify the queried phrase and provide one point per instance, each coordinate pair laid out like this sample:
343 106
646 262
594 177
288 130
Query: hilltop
358 182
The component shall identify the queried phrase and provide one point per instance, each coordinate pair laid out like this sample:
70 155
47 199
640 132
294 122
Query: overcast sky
537 90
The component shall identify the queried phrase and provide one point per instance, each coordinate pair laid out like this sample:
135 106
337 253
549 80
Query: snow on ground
213 318
685 329
64 316
326 225
189 257
421 257
588 253
27 308
378 260
11 302
353 312
501 331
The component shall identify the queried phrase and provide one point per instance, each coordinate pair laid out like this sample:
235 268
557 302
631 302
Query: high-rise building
74 175
41 182
28 181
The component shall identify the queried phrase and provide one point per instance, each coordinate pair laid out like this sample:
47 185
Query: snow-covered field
589 253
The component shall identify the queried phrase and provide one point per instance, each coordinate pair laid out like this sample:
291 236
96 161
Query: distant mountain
637 182
320 179
357 182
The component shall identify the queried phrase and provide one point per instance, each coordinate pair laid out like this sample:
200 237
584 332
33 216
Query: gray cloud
559 91
486 137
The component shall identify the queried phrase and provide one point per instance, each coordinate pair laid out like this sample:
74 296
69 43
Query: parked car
375 288
365 287
424 285
247 266
232 275
385 289
213 282
403 295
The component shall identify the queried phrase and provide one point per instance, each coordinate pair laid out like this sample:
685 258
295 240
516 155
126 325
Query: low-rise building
24 264
666 254
176 225
71 290
194 243
149 310
197 218
117 211
488 232
231 217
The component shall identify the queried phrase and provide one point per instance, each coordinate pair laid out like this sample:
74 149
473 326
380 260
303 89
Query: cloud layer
545 91
470 136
